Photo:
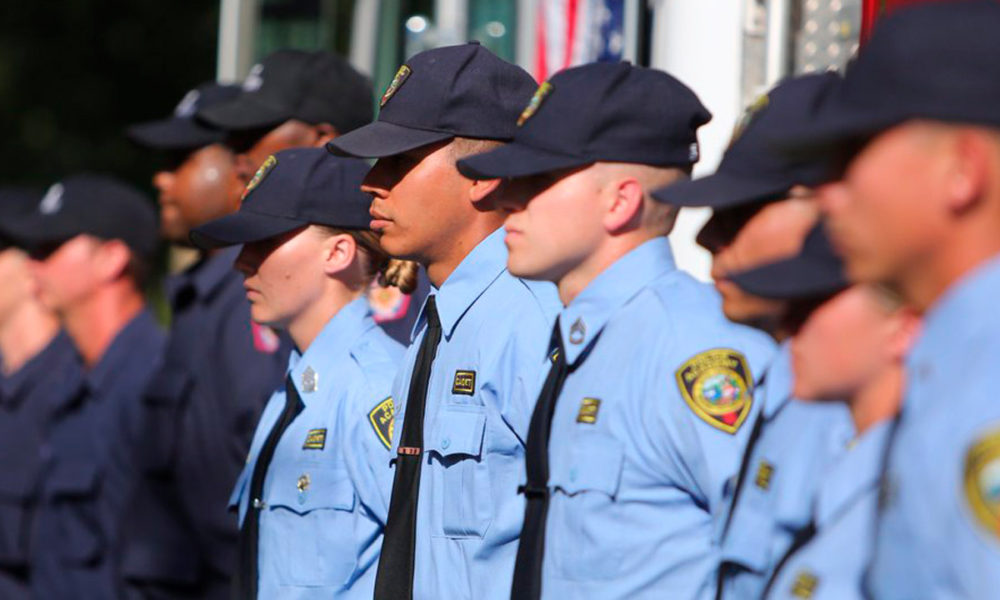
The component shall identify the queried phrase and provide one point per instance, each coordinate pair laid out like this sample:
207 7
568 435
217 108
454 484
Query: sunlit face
773 233
843 345
201 187
418 200
254 146
69 274
283 276
554 222
888 212
18 284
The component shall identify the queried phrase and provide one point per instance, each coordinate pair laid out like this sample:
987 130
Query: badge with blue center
715 385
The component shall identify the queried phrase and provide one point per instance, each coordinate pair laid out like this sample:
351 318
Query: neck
611 251
304 328
443 264
95 322
25 333
879 400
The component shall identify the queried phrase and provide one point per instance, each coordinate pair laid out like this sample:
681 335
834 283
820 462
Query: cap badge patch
259 176
310 380
186 107
765 471
543 90
52 201
401 76
465 383
588 411
747 117
254 78
577 332
382 418
315 439
982 481
715 386
804 585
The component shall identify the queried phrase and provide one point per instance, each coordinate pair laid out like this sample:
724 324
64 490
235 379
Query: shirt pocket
460 473
309 529
73 495
581 526
160 422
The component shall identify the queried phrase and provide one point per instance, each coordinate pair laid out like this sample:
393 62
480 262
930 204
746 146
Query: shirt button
445 443
258 503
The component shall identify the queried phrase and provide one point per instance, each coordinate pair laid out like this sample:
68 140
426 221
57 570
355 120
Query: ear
338 253
111 259
324 133
906 329
969 170
624 208
480 189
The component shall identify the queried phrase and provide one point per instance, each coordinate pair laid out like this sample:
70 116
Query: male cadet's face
774 232
195 188
67 274
554 221
885 215
17 285
253 146
418 199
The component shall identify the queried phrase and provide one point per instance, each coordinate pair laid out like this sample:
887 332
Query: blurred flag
574 32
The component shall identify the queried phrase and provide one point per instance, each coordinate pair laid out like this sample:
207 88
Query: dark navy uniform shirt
198 416
29 399
91 470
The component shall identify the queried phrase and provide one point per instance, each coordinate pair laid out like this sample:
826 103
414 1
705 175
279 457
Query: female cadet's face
283 276
843 345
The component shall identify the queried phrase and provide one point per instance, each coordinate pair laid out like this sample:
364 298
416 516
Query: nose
163 181
247 261
376 181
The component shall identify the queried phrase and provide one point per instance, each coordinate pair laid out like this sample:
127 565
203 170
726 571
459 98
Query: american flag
574 32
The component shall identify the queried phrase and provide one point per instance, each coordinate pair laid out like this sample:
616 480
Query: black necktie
394 579
245 585
528 568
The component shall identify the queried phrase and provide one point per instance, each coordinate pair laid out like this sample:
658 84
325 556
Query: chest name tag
465 383
382 418
315 439
715 385
588 411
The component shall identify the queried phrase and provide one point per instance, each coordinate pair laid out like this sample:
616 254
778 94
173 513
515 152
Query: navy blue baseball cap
181 131
599 112
96 205
752 170
453 91
313 87
815 272
937 61
292 189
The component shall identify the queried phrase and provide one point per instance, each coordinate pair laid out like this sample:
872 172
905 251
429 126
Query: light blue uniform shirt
495 328
781 473
832 564
324 500
647 428
939 532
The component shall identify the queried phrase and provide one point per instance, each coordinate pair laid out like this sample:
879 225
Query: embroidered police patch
982 481
763 477
536 100
588 411
259 176
715 385
747 117
465 383
804 585
315 439
401 75
382 418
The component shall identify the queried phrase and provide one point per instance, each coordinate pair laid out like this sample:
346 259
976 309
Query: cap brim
517 160
173 134
31 231
831 129
795 278
381 138
241 113
241 228
721 190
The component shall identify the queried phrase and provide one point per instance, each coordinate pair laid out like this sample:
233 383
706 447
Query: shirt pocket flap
312 488
594 464
72 479
458 431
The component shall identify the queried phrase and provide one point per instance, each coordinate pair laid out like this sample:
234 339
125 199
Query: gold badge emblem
315 439
259 176
765 471
382 418
465 383
401 76
588 411
982 481
747 117
715 385
536 100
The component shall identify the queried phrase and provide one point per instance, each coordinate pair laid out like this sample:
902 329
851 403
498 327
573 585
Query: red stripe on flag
570 31
541 72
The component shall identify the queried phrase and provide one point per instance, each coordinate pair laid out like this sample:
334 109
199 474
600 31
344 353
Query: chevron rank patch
588 411
259 176
536 100
982 481
315 439
465 383
401 75
382 419
715 385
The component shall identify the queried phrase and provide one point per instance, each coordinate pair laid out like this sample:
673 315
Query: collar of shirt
582 321
479 269
37 370
205 277
329 349
857 471
134 335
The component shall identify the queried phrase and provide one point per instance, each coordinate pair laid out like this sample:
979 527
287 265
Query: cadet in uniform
39 371
91 238
762 212
850 348
455 516
310 498
624 472
918 208
200 407
294 99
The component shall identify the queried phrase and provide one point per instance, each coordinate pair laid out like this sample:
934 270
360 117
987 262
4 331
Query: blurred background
75 73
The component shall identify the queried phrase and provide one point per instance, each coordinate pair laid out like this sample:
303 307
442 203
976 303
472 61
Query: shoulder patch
382 419
315 439
259 176
715 385
536 100
982 481
465 383
588 411
401 75
264 338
